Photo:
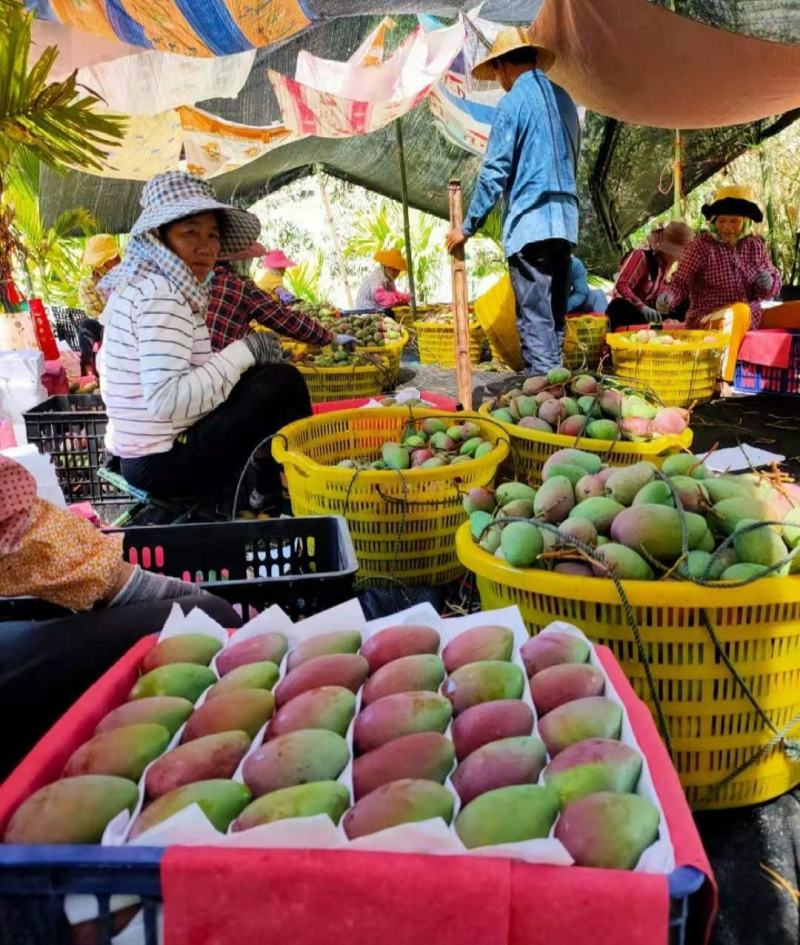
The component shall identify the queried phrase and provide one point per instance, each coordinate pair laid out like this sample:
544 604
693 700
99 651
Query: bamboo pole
401 151
337 246
677 176
458 271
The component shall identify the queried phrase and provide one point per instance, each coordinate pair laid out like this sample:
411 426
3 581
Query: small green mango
521 543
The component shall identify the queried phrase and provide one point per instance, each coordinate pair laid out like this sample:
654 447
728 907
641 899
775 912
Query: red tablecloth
769 347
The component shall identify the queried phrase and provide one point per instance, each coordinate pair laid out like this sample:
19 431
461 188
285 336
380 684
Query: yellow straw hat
99 250
736 200
392 258
515 37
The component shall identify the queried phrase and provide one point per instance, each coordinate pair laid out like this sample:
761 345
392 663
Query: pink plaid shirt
713 275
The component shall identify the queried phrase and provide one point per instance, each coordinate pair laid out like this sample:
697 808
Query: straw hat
736 200
99 250
175 194
672 239
253 251
392 258
515 37
277 259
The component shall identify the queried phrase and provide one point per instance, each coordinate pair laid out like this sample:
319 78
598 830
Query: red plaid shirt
235 302
713 275
636 282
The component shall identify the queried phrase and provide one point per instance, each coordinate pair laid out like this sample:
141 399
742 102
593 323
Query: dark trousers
621 313
209 457
540 277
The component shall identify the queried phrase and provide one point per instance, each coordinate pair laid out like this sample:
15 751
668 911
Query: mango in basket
608 830
348 670
556 685
124 752
267 647
597 764
204 759
622 562
759 545
489 722
483 682
593 717
262 675
393 642
220 800
477 644
599 510
169 711
508 815
328 707
401 714
657 529
552 649
399 802
422 755
187 680
186 648
500 764
340 641
244 710
418 673
302 800
297 758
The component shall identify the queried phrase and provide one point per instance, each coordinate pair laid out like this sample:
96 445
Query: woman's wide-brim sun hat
173 195
253 251
277 259
99 250
735 200
514 37
392 258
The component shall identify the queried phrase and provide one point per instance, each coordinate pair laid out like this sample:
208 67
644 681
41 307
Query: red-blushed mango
74 810
302 800
186 680
398 715
186 648
340 641
204 759
595 717
348 670
552 649
220 800
508 815
399 802
608 830
262 675
500 764
422 672
483 682
297 758
489 722
329 707
265 648
169 711
244 710
124 752
556 685
426 756
478 644
392 643
597 764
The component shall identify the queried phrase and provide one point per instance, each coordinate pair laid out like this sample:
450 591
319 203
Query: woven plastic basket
403 524
392 351
341 383
680 374
530 449
584 340
436 343
713 726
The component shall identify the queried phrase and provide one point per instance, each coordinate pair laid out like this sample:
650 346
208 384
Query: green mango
301 800
220 800
508 815
124 752
187 680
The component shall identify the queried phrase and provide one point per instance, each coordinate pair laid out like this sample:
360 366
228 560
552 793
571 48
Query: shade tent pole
677 177
458 271
412 290
337 245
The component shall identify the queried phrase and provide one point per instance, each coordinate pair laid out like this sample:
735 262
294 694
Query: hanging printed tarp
464 121
152 144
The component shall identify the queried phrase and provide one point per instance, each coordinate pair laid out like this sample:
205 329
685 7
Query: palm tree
53 122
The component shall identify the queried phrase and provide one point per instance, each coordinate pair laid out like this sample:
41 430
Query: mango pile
646 336
369 330
429 444
584 405
629 522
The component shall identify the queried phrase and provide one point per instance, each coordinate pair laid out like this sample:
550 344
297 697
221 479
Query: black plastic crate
71 429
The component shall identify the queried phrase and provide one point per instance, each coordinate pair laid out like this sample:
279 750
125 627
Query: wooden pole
412 289
458 271
337 246
677 177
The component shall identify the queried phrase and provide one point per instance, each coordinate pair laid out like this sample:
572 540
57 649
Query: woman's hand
650 315
664 303
265 346
763 280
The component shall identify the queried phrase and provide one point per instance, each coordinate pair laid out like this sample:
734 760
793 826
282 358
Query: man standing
531 161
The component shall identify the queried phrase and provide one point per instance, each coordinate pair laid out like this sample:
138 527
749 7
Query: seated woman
275 264
582 299
641 279
379 289
185 422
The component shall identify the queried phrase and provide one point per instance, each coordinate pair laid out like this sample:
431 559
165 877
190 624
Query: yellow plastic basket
392 351
345 383
436 343
496 311
679 374
712 725
584 340
403 524
530 449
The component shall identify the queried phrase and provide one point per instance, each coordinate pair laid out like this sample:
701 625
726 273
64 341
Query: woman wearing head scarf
379 289
184 421
642 276
100 256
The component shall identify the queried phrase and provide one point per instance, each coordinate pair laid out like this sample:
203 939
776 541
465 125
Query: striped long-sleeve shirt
157 371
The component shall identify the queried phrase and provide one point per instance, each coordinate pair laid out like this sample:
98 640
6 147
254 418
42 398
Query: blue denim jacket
531 161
